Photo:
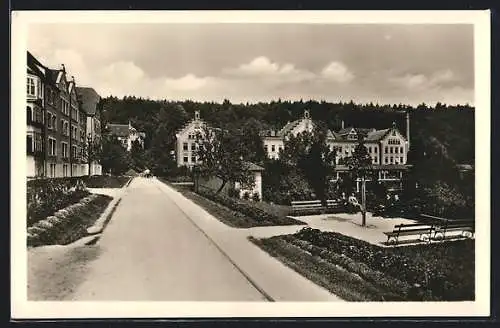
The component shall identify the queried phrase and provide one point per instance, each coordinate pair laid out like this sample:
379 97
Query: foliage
255 197
310 154
105 181
441 136
69 224
281 184
260 216
439 270
115 158
222 156
46 196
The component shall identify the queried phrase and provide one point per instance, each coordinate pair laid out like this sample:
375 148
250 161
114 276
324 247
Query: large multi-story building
126 134
90 104
185 143
388 148
56 125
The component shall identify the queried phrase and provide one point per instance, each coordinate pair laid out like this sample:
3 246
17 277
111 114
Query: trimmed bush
69 224
260 216
441 271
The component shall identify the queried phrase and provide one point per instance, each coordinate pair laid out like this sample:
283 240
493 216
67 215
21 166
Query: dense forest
448 130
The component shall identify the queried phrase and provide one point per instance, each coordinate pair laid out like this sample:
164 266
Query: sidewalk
276 280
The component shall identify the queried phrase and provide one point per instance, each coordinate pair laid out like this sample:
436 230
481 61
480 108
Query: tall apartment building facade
56 125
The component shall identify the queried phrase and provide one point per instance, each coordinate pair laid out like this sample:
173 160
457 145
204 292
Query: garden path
151 251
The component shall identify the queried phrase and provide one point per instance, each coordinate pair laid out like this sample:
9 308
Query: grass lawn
357 271
105 181
234 218
71 226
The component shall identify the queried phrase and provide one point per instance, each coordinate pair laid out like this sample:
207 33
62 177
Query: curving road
151 251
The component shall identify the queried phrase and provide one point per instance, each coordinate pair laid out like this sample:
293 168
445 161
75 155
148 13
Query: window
390 150
29 114
396 150
49 120
65 170
386 160
193 146
31 86
193 159
52 170
29 143
75 152
64 147
376 149
185 146
280 148
185 159
273 148
54 123
401 150
370 149
266 148
392 160
386 150
401 160
52 147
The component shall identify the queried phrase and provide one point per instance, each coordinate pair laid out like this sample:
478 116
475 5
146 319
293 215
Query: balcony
35 123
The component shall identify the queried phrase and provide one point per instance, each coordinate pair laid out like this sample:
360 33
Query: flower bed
259 215
436 272
44 197
68 224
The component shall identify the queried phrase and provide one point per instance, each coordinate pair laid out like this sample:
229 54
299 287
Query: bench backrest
306 202
412 225
332 202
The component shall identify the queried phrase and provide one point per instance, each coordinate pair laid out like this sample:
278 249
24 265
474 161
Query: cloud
441 78
264 69
337 72
187 82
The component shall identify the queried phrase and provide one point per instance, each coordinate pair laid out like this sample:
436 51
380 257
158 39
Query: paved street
151 251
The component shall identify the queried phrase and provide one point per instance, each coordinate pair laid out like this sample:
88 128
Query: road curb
106 216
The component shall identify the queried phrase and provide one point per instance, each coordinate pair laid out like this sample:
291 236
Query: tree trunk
222 186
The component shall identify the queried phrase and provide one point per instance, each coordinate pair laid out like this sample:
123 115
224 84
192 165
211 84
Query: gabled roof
377 135
288 128
252 166
119 130
189 123
89 99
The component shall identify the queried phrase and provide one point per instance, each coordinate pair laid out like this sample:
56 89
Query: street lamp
89 151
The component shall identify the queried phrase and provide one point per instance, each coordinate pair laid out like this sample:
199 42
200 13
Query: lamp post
89 151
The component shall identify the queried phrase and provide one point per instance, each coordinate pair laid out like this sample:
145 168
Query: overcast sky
261 62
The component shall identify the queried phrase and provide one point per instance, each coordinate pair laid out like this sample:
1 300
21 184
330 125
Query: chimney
197 115
408 128
342 125
63 68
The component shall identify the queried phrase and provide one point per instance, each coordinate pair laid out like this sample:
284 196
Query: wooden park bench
443 225
424 231
334 205
306 206
466 227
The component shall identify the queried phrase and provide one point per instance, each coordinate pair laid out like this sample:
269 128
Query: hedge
247 209
446 269
68 224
